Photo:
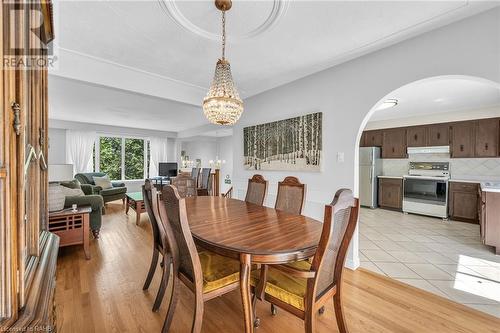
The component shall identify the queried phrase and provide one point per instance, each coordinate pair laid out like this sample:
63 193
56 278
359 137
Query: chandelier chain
223 34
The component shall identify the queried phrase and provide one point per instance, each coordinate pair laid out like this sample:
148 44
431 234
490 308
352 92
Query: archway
423 256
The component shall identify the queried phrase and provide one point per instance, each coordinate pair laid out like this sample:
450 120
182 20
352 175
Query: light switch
340 157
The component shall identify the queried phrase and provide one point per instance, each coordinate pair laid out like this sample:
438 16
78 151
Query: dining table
252 234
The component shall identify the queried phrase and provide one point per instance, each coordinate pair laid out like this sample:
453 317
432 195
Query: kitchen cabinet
462 139
394 143
490 219
438 135
390 193
416 136
486 138
463 202
372 139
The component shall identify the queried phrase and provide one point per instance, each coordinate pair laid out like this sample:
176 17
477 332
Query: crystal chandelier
223 105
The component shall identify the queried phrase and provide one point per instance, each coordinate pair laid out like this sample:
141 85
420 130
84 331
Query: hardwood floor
105 294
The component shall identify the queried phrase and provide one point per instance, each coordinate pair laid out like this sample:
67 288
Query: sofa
117 192
95 201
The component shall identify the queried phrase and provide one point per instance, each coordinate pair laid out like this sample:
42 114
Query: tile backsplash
459 167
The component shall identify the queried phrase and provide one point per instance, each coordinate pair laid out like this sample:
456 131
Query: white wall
346 94
225 152
204 149
57 146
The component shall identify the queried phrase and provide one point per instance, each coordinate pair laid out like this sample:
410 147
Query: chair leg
309 323
165 277
256 320
274 310
198 314
339 315
152 269
172 305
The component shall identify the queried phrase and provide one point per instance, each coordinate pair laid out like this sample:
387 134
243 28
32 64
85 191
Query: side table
72 227
136 202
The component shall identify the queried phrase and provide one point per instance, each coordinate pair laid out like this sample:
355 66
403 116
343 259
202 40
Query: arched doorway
442 258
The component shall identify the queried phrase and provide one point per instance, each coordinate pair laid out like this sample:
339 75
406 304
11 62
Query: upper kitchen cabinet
486 137
372 139
394 143
438 135
462 139
416 136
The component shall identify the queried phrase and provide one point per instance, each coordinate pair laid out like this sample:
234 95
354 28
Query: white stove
425 189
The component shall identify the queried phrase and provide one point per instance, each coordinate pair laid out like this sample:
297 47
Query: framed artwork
291 144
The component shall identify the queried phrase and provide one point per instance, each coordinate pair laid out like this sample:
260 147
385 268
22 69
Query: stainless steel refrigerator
370 166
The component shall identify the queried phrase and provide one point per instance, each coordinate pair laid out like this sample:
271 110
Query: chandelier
223 105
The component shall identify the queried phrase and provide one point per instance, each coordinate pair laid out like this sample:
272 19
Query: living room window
122 158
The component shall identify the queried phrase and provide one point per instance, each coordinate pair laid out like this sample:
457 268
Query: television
167 169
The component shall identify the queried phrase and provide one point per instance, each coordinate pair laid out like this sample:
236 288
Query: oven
425 190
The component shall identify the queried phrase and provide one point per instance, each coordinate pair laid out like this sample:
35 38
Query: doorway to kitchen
429 178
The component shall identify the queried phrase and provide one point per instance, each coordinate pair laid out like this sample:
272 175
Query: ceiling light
223 105
388 103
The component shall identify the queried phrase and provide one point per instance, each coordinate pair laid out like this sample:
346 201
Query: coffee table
72 227
135 201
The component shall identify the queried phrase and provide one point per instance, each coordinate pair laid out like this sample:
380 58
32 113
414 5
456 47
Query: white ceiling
82 102
440 95
169 50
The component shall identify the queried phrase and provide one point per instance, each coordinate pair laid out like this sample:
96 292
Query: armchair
117 192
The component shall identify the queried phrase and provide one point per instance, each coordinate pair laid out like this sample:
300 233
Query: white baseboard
352 264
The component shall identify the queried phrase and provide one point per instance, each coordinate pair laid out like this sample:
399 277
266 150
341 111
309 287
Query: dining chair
256 190
205 273
160 245
204 185
228 194
303 287
186 185
291 195
195 174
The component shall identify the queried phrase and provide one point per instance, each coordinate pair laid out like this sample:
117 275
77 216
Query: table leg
127 205
86 247
245 270
137 216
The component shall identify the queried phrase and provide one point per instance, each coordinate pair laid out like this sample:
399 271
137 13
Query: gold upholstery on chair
286 288
218 271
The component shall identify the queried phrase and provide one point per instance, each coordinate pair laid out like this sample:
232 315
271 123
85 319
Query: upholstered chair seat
284 287
218 271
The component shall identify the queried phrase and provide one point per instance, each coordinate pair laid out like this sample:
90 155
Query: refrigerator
370 166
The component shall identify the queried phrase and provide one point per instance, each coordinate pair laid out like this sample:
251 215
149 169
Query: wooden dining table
252 234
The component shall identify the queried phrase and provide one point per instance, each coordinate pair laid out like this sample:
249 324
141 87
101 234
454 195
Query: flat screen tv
167 169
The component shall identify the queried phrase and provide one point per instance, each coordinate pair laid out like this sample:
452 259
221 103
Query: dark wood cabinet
486 138
438 135
390 193
463 202
394 143
462 139
467 139
372 138
416 136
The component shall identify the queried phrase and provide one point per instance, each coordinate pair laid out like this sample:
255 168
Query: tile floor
445 258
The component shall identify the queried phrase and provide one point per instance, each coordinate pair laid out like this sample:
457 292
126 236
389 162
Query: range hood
429 150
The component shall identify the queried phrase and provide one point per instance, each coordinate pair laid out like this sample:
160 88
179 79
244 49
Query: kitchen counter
392 177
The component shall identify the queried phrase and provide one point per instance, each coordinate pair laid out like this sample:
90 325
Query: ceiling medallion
172 10
223 105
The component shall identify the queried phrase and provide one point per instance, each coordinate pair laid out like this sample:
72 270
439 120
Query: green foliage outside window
110 156
134 159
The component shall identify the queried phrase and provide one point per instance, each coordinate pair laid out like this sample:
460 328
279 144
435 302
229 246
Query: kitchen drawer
463 187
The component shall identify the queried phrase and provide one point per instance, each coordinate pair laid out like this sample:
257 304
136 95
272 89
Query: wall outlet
340 157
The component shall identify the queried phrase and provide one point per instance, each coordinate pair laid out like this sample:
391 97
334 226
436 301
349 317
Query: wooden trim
39 306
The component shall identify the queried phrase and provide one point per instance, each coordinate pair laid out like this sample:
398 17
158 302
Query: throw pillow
103 182
56 197
72 184
72 192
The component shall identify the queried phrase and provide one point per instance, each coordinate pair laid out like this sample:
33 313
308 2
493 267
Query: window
122 158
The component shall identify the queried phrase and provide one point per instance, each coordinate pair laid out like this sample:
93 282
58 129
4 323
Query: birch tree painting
291 144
